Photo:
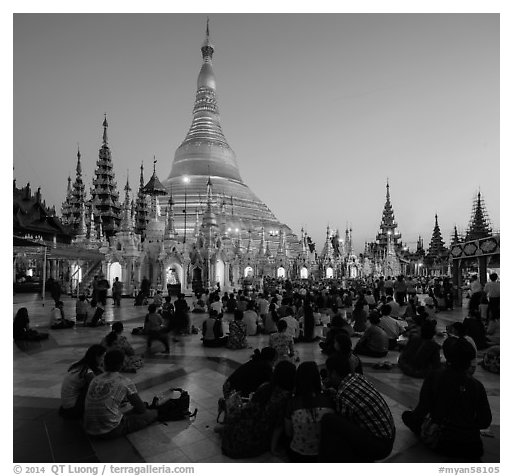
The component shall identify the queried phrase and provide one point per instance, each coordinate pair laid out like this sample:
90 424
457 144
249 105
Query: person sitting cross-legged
75 384
107 394
362 429
421 354
237 332
374 342
455 403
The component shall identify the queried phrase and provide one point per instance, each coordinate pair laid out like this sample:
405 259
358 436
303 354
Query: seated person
249 376
343 347
362 428
292 326
374 342
271 320
474 328
282 342
395 309
252 429
106 395
231 304
22 330
359 318
154 329
250 319
59 320
237 332
213 335
81 308
216 304
75 384
392 327
115 340
304 413
421 354
97 311
157 299
455 401
493 330
199 305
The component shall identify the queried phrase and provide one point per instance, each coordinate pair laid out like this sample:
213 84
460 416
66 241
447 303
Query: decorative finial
105 125
208 32
141 179
154 162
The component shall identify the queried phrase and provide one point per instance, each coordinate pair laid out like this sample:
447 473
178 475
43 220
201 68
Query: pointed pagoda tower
437 247
455 237
104 194
204 153
388 227
75 199
141 207
479 224
65 207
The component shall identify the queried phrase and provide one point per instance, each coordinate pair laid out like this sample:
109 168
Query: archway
329 272
281 272
115 271
248 272
220 272
304 273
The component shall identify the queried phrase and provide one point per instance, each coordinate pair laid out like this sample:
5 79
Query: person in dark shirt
249 376
457 402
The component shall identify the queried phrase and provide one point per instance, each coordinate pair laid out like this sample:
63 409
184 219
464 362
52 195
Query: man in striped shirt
362 430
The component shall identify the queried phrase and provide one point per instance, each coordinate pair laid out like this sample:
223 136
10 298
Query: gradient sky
319 108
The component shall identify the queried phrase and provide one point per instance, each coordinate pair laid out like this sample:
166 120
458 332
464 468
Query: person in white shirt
395 308
292 326
392 327
251 320
217 305
492 290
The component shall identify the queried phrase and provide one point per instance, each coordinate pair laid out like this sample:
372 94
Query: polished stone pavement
39 435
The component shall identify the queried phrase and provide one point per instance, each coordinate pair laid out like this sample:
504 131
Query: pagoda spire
209 218
479 225
388 224
126 222
455 238
105 126
170 231
141 209
104 193
71 208
437 247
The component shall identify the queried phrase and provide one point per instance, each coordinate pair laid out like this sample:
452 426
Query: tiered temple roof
76 197
479 224
104 194
437 247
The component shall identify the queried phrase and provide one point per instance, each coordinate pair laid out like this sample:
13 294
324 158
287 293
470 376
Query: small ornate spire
207 49
105 125
79 165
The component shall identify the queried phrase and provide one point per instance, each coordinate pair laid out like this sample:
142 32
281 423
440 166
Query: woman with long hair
21 327
237 332
75 384
304 413
115 340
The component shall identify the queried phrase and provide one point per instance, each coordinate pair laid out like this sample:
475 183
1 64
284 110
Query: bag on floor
173 405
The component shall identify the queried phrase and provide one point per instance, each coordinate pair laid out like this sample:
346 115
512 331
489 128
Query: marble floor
40 435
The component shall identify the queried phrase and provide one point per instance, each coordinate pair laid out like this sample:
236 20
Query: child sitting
59 321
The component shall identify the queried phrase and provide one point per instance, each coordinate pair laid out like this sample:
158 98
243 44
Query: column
483 262
456 282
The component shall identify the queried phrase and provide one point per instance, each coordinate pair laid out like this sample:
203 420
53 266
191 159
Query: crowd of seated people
312 413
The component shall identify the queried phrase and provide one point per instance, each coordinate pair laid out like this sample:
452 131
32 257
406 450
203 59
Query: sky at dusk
320 109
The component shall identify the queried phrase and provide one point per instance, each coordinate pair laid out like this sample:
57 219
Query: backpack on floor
173 405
